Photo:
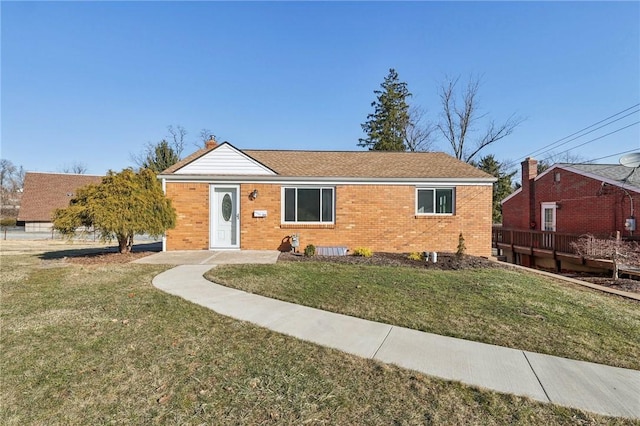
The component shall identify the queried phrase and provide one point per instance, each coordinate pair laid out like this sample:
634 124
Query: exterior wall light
254 194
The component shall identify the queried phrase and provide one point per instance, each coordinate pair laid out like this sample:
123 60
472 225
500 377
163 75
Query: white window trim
433 188
296 187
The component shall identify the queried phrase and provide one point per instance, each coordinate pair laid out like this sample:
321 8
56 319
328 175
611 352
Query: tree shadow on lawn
137 251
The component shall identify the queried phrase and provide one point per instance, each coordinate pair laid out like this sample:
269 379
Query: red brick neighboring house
45 192
563 203
574 199
386 201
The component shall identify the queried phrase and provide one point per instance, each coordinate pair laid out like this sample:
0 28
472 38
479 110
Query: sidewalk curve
592 387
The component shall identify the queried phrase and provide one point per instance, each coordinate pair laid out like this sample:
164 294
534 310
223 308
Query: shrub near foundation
363 252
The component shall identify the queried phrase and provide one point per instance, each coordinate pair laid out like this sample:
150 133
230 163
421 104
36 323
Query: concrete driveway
206 257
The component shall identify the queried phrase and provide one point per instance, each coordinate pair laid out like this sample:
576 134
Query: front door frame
213 204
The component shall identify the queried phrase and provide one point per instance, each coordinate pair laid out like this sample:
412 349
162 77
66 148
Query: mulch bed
450 262
446 261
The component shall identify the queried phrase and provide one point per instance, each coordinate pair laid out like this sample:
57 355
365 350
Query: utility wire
598 138
584 134
580 131
612 155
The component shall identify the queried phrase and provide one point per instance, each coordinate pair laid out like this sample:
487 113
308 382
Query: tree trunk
124 243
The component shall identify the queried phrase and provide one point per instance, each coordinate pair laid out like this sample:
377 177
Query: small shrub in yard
461 246
362 251
416 256
310 250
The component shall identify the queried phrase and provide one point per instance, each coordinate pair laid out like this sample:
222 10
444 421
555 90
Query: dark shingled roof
625 175
45 192
355 164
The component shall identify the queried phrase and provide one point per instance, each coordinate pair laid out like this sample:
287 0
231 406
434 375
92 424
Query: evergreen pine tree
386 126
502 188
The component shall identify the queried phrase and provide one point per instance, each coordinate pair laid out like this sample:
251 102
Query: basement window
308 205
434 201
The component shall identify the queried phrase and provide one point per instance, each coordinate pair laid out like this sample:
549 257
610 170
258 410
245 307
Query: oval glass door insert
227 207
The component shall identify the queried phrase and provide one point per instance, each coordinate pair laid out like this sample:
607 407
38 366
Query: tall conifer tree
386 126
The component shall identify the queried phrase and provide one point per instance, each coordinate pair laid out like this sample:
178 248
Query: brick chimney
211 143
529 173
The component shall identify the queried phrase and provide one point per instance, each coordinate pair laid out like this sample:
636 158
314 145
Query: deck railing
545 240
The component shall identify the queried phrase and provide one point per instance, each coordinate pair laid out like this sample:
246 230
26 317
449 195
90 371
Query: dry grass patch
97 345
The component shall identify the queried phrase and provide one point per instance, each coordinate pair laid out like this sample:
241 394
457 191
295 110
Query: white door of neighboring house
224 217
548 222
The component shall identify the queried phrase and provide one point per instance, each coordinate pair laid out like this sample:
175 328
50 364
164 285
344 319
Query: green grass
101 345
497 306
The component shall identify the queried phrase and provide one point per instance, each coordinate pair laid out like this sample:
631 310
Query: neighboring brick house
45 192
387 201
574 199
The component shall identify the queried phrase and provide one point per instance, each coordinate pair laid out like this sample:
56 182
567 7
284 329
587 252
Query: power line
598 138
584 134
582 130
612 155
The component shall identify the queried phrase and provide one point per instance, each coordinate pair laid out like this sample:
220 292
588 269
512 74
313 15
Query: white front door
224 217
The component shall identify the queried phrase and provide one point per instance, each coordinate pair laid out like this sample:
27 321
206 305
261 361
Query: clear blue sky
93 82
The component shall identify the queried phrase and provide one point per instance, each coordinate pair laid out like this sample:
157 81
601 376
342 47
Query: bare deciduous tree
7 170
205 135
613 249
564 157
163 153
177 135
460 113
11 184
419 133
77 167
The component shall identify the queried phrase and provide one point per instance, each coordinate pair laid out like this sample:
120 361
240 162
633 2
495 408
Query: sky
93 82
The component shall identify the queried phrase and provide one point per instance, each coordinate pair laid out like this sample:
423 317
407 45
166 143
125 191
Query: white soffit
225 160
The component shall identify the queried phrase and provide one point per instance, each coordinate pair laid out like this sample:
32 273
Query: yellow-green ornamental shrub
416 256
123 205
362 251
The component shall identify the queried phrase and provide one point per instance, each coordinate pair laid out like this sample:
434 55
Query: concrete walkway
592 387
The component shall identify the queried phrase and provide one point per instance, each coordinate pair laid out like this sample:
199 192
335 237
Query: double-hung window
434 201
308 204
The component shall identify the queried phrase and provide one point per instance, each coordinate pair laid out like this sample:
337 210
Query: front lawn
98 344
497 306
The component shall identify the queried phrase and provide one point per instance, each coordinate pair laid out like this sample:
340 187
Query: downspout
628 195
631 201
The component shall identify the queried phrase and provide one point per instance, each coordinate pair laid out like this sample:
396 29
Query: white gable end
224 160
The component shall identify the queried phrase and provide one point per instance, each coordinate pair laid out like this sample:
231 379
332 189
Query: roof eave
346 179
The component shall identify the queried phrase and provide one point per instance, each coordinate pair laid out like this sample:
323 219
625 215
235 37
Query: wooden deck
549 245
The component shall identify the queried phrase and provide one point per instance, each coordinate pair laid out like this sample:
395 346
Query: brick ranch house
45 192
226 198
564 202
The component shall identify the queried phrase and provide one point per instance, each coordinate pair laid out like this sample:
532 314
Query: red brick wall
517 212
380 217
585 205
